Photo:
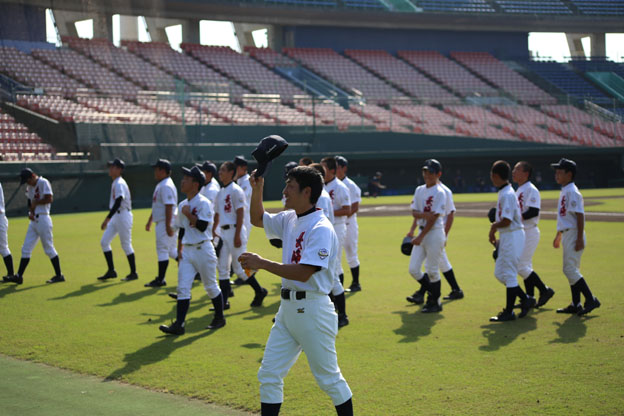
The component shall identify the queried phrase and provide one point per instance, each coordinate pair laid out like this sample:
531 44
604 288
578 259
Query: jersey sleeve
167 196
205 212
177 221
576 202
450 204
356 193
533 198
507 206
118 191
346 199
318 248
238 199
414 205
274 224
46 189
439 202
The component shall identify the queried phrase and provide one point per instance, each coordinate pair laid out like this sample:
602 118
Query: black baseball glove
276 242
492 215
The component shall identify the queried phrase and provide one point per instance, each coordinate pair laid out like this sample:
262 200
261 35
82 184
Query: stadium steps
609 81
536 79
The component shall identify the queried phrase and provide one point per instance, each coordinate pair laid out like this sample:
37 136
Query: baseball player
242 179
351 238
530 204
305 161
211 188
338 292
511 231
229 220
341 200
4 241
164 210
571 235
40 197
118 221
306 320
195 251
428 209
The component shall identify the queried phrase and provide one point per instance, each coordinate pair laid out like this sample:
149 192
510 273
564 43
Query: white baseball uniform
306 324
570 205
165 193
432 199
351 239
4 228
511 237
198 254
325 204
445 264
211 190
339 194
243 182
121 222
41 226
528 197
229 200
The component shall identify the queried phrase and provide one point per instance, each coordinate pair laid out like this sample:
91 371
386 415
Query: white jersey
355 193
570 203
450 204
119 188
201 207
165 193
432 199
37 192
211 190
325 203
1 200
508 207
339 194
243 182
309 240
229 200
528 197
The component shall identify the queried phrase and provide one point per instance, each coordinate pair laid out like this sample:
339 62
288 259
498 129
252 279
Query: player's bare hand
31 216
148 226
237 241
179 255
410 234
250 261
557 240
105 223
580 244
186 210
492 236
170 231
256 182
417 240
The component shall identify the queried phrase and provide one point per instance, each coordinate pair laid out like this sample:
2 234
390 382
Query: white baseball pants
338 288
309 325
40 228
509 251
351 242
121 224
571 257
531 239
4 239
166 247
428 252
341 233
445 264
229 254
198 259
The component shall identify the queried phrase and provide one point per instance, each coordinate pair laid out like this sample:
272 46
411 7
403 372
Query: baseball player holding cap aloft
118 221
571 235
40 197
195 252
306 320
164 209
4 241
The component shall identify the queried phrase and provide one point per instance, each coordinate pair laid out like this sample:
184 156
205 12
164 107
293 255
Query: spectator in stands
375 186
459 182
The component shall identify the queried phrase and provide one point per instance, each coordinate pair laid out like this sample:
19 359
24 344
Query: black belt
298 295
123 209
37 215
226 227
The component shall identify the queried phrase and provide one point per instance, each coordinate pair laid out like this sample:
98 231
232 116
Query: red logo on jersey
37 194
562 209
521 201
155 195
331 194
296 254
194 211
228 204
498 212
428 204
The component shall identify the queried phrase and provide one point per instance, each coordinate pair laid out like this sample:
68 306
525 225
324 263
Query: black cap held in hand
406 246
268 149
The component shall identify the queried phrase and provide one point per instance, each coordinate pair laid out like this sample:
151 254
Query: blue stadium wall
22 22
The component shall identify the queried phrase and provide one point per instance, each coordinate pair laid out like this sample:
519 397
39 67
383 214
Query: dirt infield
480 209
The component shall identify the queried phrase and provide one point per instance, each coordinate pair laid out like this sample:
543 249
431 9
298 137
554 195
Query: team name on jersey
428 204
228 204
521 201
562 209
296 254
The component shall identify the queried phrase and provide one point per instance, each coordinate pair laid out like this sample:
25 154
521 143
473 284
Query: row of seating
17 142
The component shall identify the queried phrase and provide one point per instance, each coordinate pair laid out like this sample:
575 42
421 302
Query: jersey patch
323 253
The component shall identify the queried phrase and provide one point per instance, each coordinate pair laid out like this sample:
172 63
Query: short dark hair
318 167
330 162
526 167
230 166
306 161
306 176
502 169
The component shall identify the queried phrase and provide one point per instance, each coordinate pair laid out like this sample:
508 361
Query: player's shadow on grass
571 330
200 305
416 325
161 349
501 334
125 298
85 290
13 288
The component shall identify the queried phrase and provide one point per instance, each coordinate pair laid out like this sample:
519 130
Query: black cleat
231 295
343 320
110 274
526 306
454 295
432 307
571 309
225 307
504 316
257 300
130 277
417 298
56 279
589 306
216 323
173 329
355 287
173 295
16 278
197 277
157 282
239 282
545 297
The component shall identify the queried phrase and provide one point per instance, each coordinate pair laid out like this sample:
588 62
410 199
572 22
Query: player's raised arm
256 208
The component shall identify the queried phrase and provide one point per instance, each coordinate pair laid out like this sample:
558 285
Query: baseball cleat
56 279
16 278
225 307
131 276
545 297
417 298
525 306
589 306
110 274
343 320
173 295
454 295
156 283
571 309
257 300
216 323
239 282
173 329
432 307
504 316
355 287
231 295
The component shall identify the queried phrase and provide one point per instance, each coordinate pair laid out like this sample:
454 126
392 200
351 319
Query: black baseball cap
163 164
208 166
25 174
288 167
565 164
117 162
268 149
195 173
432 166
342 161
240 160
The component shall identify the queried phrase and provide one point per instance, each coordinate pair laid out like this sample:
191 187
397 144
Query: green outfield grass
396 360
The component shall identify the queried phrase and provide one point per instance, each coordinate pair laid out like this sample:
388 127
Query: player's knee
415 272
524 271
571 272
184 293
5 252
50 252
434 275
127 248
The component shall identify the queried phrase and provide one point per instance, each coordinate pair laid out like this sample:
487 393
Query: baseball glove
492 215
406 246
276 242
495 252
